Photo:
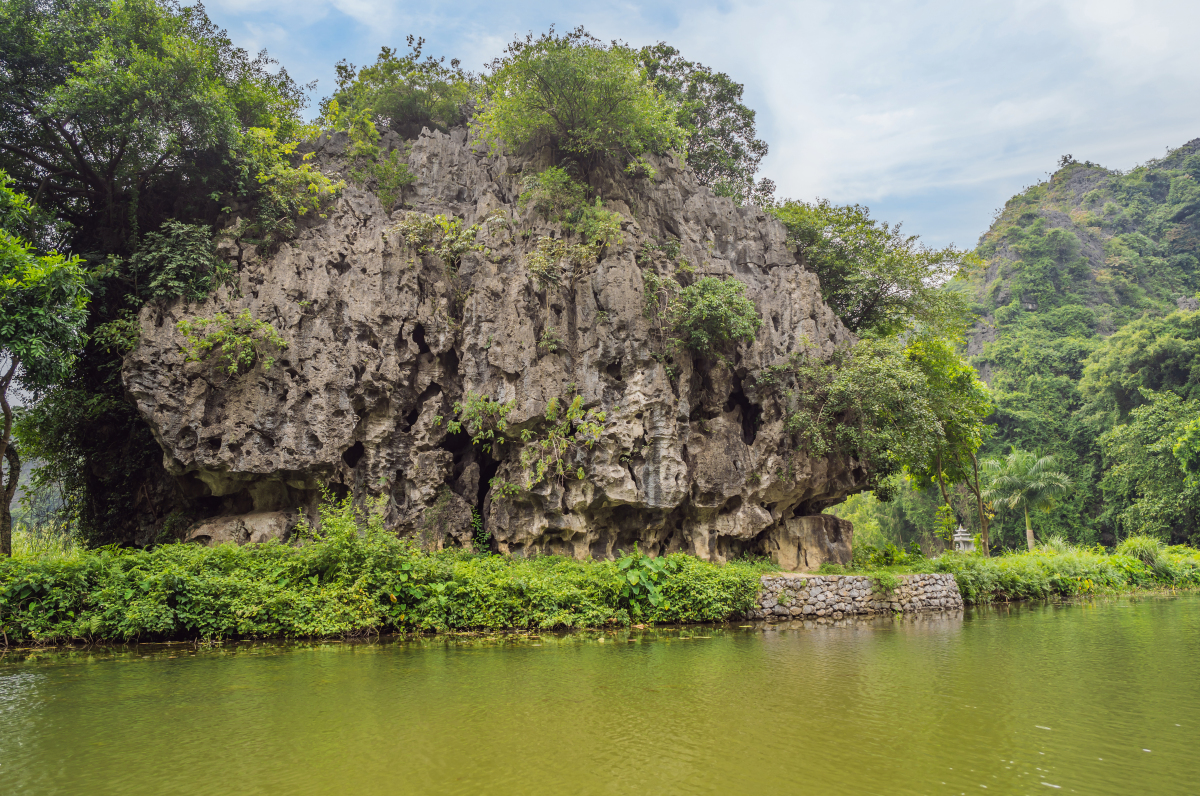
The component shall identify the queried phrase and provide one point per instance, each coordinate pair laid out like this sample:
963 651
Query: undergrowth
349 577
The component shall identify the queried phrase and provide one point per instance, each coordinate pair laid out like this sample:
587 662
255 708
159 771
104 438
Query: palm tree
1025 480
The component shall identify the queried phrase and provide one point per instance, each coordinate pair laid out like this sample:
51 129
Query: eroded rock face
383 341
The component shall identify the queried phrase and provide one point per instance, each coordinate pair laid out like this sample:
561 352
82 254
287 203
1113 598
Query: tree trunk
8 453
1028 530
10 488
983 520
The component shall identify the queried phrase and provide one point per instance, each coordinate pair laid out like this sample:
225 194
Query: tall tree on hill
722 143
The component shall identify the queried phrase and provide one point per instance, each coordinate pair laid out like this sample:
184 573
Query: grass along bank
1055 570
353 578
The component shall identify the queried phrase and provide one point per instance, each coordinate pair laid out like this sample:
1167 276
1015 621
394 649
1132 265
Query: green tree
117 117
961 403
406 92
1025 480
869 401
878 280
1152 353
42 310
588 99
1147 484
722 147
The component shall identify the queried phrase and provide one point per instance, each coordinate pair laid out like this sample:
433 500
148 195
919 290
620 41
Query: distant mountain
1069 262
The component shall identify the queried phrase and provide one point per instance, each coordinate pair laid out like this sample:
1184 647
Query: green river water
1094 698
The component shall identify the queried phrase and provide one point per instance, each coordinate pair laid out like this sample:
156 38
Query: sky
930 113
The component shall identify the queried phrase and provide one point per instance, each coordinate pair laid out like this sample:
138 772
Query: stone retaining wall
789 596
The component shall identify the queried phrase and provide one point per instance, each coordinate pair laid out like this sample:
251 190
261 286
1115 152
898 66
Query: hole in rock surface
354 454
418 337
749 414
614 370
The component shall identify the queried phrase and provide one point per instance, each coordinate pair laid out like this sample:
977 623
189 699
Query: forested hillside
1088 337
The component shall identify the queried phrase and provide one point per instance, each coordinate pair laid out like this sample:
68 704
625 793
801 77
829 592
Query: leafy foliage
878 280
404 92
348 577
554 258
721 145
484 420
234 343
179 260
550 454
642 577
439 235
869 401
712 314
554 194
590 100
43 305
1146 488
43 300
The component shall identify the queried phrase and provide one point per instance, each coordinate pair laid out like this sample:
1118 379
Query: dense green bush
350 578
712 314
404 92
587 98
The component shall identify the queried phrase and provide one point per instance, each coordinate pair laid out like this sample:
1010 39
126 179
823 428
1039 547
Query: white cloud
888 103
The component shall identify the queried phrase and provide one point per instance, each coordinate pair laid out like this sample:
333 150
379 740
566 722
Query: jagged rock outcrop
382 341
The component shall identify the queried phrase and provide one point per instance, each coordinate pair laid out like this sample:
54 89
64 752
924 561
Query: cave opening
418 338
354 454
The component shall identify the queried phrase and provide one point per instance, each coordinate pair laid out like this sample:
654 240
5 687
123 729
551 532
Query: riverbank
1055 570
356 579
353 579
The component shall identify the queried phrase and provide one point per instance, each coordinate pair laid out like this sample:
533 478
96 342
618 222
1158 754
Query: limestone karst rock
382 341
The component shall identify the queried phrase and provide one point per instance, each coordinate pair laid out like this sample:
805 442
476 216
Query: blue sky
930 113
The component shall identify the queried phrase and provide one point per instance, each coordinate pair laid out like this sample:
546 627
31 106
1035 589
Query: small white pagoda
963 542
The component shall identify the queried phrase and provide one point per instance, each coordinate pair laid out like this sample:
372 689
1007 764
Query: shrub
598 226
237 341
713 313
442 235
289 185
553 194
387 175
589 99
1146 549
405 92
180 260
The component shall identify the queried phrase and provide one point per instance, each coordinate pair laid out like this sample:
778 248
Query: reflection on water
1017 700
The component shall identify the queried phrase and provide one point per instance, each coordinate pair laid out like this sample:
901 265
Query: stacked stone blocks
794 595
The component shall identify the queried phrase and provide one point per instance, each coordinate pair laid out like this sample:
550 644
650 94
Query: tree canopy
722 144
43 304
587 98
405 92
877 279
